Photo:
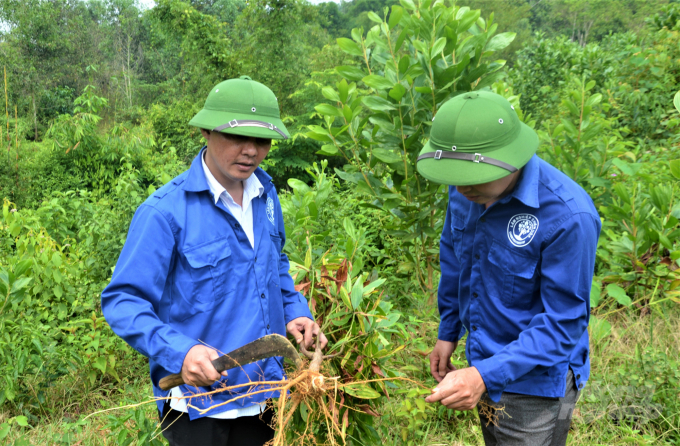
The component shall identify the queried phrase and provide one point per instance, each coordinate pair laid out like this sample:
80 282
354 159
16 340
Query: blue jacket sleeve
447 295
294 303
551 336
132 300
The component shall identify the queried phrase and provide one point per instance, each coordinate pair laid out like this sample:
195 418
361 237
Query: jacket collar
196 181
526 190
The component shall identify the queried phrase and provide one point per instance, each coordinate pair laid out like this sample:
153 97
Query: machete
264 347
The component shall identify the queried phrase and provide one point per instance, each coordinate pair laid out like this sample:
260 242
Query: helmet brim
211 119
466 173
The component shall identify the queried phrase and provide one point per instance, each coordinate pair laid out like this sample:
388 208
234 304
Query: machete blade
262 348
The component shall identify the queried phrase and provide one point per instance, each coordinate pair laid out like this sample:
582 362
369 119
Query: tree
379 114
53 43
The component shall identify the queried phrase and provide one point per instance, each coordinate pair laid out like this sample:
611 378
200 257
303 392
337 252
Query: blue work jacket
517 277
188 274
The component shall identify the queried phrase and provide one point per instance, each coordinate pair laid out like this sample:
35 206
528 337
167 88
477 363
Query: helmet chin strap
249 123
474 157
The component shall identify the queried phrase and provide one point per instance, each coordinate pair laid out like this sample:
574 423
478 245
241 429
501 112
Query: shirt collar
252 187
526 189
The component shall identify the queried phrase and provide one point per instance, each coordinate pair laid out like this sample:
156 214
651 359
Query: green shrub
170 124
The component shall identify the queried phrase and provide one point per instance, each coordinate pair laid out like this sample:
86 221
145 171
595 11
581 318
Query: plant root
490 411
306 386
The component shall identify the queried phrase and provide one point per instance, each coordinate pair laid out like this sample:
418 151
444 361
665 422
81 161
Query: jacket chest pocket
209 270
514 273
275 257
457 232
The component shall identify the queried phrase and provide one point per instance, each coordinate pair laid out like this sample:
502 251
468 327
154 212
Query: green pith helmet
242 107
476 137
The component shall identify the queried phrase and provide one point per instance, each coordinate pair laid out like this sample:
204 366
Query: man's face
491 192
233 158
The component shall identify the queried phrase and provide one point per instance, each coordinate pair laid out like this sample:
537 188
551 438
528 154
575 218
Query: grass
638 348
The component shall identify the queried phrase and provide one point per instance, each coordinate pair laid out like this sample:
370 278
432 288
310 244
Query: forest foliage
98 96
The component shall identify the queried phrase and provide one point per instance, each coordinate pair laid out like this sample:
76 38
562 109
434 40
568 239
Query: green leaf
676 100
374 17
468 19
489 80
397 92
58 291
351 73
328 110
330 94
361 391
4 430
372 286
622 192
377 103
357 293
437 47
595 294
22 421
599 329
22 267
619 295
395 16
304 412
100 364
386 156
627 168
345 297
328 150
408 4
20 284
56 259
350 47
298 186
377 82
675 167
500 41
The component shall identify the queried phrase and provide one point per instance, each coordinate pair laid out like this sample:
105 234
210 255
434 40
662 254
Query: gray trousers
531 420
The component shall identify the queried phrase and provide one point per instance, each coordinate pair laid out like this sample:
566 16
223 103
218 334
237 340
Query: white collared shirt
252 188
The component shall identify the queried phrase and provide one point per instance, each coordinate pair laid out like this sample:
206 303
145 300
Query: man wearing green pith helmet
517 256
202 271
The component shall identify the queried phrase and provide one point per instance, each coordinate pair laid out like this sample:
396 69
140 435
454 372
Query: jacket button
578 376
237 226
474 328
482 219
262 296
256 258
477 256
267 326
580 386
475 295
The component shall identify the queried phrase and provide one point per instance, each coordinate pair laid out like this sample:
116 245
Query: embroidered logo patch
270 210
521 229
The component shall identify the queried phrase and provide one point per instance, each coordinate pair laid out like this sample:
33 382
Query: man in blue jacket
517 259
203 269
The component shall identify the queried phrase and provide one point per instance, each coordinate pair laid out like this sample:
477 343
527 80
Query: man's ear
205 133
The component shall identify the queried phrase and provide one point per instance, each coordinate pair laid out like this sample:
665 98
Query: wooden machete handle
171 381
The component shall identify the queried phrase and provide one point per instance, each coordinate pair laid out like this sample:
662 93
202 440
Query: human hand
197 369
459 390
304 329
440 359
